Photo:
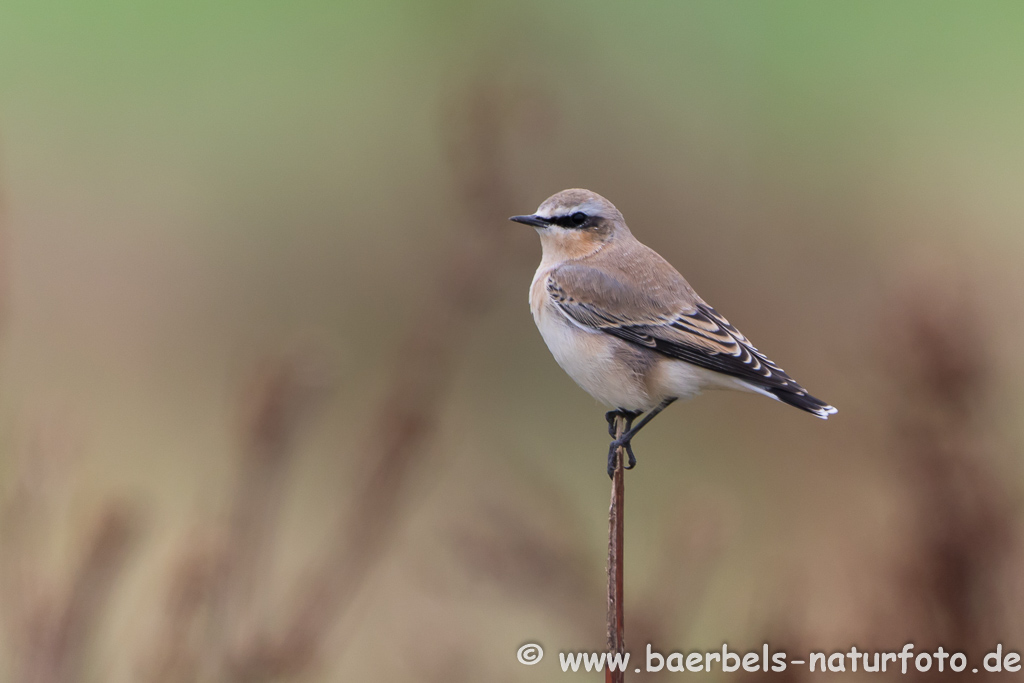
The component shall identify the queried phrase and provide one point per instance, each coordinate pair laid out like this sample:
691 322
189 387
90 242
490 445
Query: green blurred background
191 189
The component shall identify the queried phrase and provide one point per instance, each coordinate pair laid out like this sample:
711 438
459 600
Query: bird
629 329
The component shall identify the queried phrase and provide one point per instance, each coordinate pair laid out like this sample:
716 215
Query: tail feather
803 401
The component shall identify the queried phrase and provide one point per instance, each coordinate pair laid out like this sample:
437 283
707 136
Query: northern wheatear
628 328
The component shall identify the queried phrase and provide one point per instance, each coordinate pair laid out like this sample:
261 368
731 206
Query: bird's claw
613 456
621 441
610 416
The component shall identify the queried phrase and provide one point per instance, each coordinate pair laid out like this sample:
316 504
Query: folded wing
672 321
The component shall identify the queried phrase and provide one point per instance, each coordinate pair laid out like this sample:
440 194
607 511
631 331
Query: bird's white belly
608 368
591 359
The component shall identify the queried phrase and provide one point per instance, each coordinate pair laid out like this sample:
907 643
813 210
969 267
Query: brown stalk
284 393
58 640
90 592
49 622
213 598
616 616
174 657
962 523
533 550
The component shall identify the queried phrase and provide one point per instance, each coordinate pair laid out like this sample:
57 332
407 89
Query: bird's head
574 223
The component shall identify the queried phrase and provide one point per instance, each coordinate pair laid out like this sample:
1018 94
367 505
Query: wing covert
684 328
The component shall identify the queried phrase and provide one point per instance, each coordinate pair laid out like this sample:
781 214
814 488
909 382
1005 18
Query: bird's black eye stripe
574 220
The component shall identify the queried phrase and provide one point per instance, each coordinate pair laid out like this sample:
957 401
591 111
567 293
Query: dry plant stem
89 593
278 400
59 644
616 621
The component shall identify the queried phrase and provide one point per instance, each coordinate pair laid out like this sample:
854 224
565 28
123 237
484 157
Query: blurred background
274 407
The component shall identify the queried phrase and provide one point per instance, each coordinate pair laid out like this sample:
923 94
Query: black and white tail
803 401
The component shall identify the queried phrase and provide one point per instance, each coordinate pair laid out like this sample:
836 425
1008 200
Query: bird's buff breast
591 358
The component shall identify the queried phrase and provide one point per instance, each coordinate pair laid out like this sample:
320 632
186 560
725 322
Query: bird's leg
628 416
630 433
624 440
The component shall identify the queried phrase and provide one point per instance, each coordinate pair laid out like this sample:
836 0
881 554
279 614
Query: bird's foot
613 459
610 416
622 441
630 415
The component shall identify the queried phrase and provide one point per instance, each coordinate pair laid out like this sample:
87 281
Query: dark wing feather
695 333
705 338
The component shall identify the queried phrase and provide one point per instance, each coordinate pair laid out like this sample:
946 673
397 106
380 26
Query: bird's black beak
535 221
